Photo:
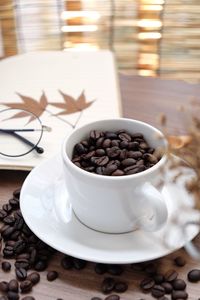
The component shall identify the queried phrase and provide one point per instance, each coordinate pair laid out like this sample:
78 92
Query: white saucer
44 186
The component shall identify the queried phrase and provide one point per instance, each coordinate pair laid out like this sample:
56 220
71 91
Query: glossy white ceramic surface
44 191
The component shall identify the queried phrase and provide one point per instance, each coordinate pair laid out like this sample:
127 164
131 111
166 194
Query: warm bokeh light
149 35
147 73
68 46
153 2
151 7
149 23
92 15
79 28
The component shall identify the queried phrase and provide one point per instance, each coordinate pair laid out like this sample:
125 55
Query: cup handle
154 210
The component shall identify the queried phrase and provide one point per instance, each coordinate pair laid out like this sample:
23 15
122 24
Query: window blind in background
180 45
148 37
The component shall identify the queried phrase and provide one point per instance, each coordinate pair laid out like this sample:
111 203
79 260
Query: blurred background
159 38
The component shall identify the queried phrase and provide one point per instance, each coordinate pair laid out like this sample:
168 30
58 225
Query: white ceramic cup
116 204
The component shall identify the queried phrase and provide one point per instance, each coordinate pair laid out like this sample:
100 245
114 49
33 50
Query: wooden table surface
143 98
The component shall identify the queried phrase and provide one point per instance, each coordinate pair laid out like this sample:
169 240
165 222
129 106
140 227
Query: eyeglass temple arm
39 150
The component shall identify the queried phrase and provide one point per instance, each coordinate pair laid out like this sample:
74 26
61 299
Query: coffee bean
113 152
157 291
179 295
100 170
107 285
79 148
52 275
128 162
110 135
168 287
100 161
171 275
19 247
40 265
3 214
26 286
67 262
7 208
7 232
106 143
12 295
178 284
147 283
79 264
120 287
109 169
8 252
194 275
34 277
14 202
16 193
100 268
117 173
115 269
15 235
124 136
101 148
163 298
150 157
112 297
99 142
13 285
180 261
9 220
95 134
158 278
22 263
144 146
28 298
137 135
137 154
4 286
6 266
21 274
100 152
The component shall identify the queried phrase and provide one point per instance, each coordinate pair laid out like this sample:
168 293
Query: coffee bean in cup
114 153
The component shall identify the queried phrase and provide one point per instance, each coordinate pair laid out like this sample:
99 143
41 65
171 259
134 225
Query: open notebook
60 79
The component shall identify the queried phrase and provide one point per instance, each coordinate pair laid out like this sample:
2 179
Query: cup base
104 231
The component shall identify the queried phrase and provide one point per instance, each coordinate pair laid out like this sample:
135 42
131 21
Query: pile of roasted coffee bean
114 153
31 256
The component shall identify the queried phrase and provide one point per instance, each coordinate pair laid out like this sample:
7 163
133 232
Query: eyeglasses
20 132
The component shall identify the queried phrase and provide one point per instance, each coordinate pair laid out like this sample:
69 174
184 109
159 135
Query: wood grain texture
85 284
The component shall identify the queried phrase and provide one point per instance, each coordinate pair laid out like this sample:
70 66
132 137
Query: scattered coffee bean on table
179 284
52 275
147 283
114 153
107 285
158 291
26 286
194 275
168 287
171 275
13 285
179 295
34 277
12 295
112 297
120 287
179 261
6 266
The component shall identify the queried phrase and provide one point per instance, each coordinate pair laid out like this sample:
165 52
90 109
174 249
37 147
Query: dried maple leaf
29 104
72 105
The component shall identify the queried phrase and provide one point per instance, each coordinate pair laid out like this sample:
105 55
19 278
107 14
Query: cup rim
68 162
